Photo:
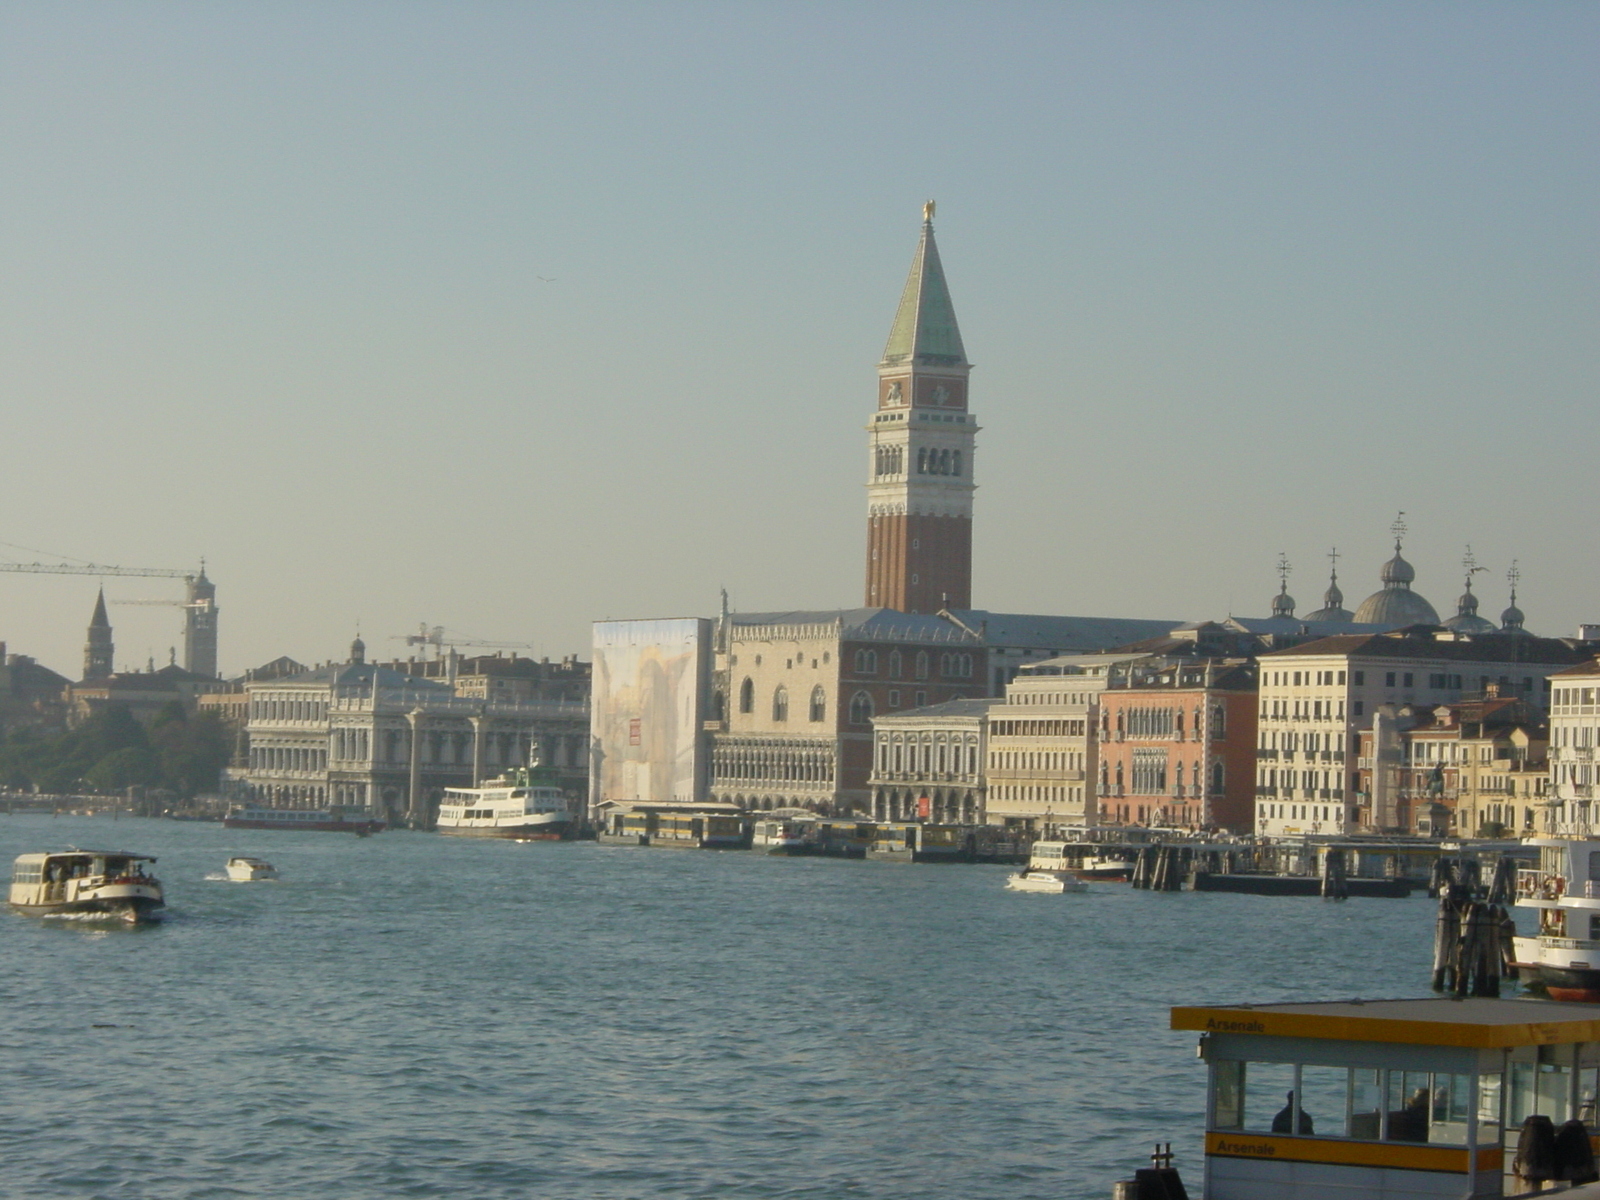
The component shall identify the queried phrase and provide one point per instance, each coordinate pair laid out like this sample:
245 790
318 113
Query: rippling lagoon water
411 1015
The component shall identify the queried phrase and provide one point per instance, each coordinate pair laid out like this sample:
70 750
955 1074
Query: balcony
1267 755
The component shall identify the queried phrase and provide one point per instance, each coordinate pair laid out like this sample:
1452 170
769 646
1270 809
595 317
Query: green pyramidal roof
925 329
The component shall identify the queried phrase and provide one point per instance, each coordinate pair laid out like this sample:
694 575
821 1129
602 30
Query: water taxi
1050 882
244 870
92 882
1459 1098
784 835
513 806
333 819
1564 889
1088 861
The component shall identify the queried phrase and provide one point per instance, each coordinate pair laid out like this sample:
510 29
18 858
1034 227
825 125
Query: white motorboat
512 806
1050 882
784 836
89 882
243 870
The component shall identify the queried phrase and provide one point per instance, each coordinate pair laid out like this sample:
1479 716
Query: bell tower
920 451
98 649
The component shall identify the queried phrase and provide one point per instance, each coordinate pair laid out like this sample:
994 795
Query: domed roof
1467 619
1396 605
1333 608
1398 570
1283 604
358 650
1511 620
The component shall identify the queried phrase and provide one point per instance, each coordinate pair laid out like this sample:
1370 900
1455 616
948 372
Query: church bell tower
97 651
920 451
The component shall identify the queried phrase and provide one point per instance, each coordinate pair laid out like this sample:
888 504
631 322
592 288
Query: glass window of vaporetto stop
1386 1098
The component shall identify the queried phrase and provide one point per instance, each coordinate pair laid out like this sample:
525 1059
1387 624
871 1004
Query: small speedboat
1051 882
243 870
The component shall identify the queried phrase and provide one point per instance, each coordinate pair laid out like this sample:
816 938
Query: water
411 1015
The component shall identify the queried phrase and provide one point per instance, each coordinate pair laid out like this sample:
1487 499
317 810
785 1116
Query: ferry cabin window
1266 1091
1356 1103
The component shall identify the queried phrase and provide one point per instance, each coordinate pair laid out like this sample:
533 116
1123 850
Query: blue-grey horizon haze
513 317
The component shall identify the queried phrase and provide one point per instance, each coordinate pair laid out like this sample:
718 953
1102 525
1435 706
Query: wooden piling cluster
1160 868
1472 935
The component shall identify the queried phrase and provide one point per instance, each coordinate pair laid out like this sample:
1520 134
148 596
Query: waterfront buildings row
392 738
921 706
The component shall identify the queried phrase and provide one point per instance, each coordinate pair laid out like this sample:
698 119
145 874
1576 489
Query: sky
512 317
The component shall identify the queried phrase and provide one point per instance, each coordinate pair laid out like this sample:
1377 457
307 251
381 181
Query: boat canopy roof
47 855
1477 1023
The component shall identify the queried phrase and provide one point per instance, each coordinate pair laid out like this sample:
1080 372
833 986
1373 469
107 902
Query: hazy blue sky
1238 278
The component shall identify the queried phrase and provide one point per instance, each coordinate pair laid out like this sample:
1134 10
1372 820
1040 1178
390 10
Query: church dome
358 651
1333 608
1467 619
1396 605
1511 620
1283 604
1398 570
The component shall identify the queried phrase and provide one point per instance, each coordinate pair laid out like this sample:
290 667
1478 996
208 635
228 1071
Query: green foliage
111 751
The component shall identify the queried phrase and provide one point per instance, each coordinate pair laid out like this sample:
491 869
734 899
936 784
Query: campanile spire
920 450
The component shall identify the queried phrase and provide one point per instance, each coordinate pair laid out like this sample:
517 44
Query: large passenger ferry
333 819
1564 955
512 806
93 882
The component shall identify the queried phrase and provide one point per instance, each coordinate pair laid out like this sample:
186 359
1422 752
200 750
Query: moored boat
333 819
512 806
1563 956
245 870
91 882
776 835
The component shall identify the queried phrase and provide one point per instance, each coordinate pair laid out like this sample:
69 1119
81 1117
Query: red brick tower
919 457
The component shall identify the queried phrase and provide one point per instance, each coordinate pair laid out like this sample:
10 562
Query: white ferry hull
527 831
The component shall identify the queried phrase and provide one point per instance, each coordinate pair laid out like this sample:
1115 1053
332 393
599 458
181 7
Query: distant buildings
1574 736
1474 769
371 736
1177 745
929 763
1316 698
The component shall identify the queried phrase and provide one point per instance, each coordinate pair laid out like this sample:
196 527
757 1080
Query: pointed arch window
922 664
747 696
896 664
780 703
860 709
819 704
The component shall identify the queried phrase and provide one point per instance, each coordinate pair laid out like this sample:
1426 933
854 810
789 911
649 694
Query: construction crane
435 636
200 604
96 569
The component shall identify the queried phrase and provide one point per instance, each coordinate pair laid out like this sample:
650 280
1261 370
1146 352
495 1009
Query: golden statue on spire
927 211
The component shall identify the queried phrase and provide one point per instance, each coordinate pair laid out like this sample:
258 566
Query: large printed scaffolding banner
646 708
